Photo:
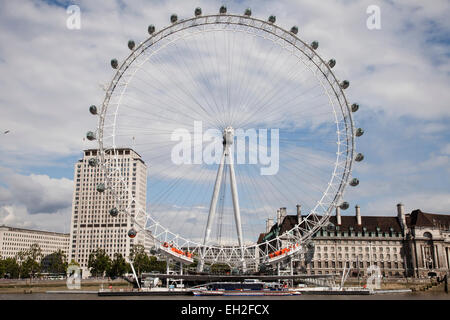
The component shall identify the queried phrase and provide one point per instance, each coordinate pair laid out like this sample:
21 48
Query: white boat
208 292
246 288
335 290
272 293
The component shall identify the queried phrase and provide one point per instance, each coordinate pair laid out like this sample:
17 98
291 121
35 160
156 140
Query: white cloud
446 149
427 202
38 193
50 76
18 216
53 73
35 201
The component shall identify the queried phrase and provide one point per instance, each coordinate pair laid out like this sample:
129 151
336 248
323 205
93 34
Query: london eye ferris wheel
285 133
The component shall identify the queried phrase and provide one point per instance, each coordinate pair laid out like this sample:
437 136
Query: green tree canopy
99 262
2 268
55 262
118 266
73 262
156 265
34 252
140 259
28 261
29 268
9 268
220 268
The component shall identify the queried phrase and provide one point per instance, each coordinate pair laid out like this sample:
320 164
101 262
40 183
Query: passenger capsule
359 157
344 205
131 45
314 45
248 12
359 132
93 109
198 11
345 84
332 63
101 187
272 19
330 226
173 18
294 30
114 212
92 162
151 29
355 107
90 136
132 233
223 10
114 63
354 182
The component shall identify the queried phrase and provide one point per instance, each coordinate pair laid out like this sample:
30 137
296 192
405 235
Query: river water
75 296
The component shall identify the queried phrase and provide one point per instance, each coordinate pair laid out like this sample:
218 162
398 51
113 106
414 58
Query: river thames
75 296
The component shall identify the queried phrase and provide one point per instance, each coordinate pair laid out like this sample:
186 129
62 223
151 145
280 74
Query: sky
50 75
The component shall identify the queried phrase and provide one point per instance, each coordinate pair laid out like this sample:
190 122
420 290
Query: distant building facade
92 226
428 241
15 240
412 245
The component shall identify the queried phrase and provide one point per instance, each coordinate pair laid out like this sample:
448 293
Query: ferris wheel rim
220 20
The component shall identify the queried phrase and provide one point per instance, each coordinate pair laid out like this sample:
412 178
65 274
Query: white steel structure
232 74
228 137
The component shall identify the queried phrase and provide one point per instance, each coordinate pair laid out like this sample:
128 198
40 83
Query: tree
99 262
20 258
140 259
55 262
34 252
9 268
142 262
2 268
73 262
220 268
156 265
28 261
118 266
29 268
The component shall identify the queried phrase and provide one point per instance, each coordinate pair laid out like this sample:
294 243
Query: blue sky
400 75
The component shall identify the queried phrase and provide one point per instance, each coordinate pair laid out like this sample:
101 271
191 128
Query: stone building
92 226
14 240
415 244
428 241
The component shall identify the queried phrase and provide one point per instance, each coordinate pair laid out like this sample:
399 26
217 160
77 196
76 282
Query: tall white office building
92 225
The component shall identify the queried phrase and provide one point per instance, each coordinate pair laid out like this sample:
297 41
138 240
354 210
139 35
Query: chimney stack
338 216
269 224
401 215
282 214
278 217
358 215
299 213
